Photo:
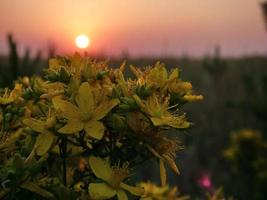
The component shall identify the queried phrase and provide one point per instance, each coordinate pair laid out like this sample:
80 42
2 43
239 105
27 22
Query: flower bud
143 91
8 117
100 75
124 107
117 122
192 98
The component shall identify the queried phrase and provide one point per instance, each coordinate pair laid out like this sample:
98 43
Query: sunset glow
141 28
82 41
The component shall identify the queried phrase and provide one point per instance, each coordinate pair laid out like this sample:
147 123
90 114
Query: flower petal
34 124
171 163
44 142
121 195
138 191
5 101
85 100
104 108
69 110
157 75
72 126
157 121
174 75
136 71
162 171
101 191
175 122
100 167
95 129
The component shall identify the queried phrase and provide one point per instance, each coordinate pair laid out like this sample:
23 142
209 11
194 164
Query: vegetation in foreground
79 132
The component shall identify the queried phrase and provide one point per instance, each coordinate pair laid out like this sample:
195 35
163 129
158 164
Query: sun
82 41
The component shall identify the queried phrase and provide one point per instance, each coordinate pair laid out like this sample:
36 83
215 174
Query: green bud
100 75
129 102
64 75
124 107
8 117
116 93
117 122
143 91
50 75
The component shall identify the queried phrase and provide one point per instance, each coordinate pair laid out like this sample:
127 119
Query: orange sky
140 27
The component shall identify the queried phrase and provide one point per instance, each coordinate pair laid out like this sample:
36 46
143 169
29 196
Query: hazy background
139 27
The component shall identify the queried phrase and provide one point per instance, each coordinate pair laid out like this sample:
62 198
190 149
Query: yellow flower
157 76
157 143
159 114
46 138
86 114
15 94
6 99
113 181
154 192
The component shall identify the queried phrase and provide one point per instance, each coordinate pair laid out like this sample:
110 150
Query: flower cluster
81 129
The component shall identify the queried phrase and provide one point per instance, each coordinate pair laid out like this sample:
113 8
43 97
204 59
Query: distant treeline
13 66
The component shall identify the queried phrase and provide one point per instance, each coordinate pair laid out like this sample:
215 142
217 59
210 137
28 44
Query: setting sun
82 41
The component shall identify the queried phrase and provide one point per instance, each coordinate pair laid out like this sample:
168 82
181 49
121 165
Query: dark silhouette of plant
12 66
